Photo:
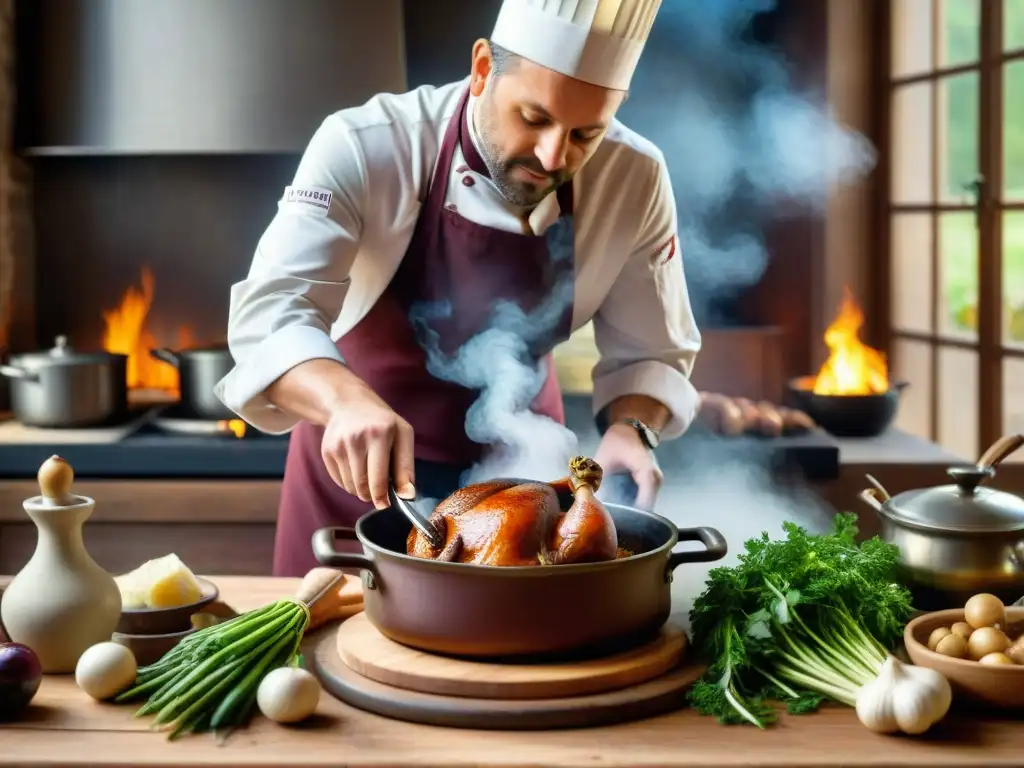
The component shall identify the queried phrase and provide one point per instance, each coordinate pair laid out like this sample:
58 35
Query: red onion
20 675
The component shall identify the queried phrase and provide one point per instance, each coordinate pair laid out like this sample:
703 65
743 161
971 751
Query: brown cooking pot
490 611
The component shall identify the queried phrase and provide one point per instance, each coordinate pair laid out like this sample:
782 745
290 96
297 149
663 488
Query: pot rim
523 570
212 350
63 355
888 511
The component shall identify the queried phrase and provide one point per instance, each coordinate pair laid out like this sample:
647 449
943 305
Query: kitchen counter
226 525
64 728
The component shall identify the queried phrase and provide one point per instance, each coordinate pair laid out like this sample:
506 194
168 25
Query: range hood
198 76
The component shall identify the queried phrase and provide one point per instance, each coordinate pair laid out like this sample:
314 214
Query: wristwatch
648 436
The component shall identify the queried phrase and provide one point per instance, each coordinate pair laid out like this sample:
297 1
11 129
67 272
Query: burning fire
126 333
852 368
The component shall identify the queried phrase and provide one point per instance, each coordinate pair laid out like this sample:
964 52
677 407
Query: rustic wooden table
65 728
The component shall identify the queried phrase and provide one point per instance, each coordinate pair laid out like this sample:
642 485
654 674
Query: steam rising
738 138
498 363
739 497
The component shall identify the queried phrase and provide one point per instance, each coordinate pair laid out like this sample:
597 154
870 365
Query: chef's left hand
621 451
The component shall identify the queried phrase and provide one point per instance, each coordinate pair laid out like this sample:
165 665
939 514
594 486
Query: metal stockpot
199 370
64 388
957 540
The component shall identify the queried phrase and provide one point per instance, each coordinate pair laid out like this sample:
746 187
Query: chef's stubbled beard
516 192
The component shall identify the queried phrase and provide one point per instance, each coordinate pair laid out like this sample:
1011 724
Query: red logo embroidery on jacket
665 254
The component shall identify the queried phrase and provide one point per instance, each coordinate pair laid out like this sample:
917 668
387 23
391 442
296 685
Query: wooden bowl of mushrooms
979 649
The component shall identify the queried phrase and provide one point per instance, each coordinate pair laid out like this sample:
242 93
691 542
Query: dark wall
439 37
795 238
195 219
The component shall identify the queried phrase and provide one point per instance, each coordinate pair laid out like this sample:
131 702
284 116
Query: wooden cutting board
363 649
665 693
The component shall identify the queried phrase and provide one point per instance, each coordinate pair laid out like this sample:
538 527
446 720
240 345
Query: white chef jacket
342 228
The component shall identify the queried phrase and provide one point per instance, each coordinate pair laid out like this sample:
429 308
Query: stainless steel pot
199 370
62 388
960 539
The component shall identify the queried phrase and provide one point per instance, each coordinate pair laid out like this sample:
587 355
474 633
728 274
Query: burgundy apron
452 278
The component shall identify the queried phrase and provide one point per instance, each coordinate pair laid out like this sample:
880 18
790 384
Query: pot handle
870 497
14 372
168 356
715 547
999 450
326 554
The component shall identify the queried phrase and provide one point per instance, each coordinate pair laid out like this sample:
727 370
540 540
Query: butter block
164 582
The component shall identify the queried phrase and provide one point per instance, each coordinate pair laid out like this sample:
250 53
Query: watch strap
648 436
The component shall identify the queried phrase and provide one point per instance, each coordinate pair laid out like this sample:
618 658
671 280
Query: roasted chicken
512 522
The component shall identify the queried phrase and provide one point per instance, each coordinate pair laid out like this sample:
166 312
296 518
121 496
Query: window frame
989 208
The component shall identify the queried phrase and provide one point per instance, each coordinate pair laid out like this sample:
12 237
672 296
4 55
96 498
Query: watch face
650 437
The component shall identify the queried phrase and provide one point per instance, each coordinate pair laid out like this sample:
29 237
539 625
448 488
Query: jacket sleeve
645 331
282 312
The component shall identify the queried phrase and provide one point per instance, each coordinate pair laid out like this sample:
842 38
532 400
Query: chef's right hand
365 444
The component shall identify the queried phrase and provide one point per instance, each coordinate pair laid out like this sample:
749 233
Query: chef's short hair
503 60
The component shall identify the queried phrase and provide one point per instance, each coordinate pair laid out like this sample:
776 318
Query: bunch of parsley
797 620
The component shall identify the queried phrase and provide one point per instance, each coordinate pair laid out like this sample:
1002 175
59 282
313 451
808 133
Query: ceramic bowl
997 685
147 649
165 621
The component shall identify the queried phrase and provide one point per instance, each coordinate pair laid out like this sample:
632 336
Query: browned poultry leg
451 550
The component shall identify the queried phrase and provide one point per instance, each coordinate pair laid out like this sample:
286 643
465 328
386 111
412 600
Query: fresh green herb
798 620
208 681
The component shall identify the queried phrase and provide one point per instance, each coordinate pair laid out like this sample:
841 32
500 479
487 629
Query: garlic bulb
903 698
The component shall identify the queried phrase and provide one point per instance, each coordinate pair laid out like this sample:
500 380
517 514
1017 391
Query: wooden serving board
364 649
657 696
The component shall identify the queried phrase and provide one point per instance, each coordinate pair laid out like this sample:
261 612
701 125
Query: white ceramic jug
62 602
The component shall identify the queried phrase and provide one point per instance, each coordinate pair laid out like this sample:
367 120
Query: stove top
157 443
154 443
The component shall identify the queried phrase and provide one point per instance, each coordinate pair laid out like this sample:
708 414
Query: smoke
742 143
741 498
499 363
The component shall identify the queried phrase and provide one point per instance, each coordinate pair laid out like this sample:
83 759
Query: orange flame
852 368
126 333
235 426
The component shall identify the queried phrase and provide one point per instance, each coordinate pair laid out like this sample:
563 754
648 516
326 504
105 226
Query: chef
451 196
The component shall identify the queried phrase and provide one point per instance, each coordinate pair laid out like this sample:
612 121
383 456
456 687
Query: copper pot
487 611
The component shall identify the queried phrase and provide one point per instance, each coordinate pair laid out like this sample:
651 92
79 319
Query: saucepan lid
965 506
62 354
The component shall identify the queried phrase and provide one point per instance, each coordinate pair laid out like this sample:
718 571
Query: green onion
209 680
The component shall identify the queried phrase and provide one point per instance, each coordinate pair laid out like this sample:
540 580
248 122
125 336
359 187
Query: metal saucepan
199 370
957 540
62 388
489 611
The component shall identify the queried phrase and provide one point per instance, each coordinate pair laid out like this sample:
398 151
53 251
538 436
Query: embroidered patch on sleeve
315 200
666 253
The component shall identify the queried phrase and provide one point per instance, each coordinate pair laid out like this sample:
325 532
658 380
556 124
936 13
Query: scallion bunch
209 680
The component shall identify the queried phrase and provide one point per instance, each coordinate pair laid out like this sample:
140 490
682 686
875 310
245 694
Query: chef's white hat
598 41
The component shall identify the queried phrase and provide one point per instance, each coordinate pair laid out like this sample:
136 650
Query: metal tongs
408 508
